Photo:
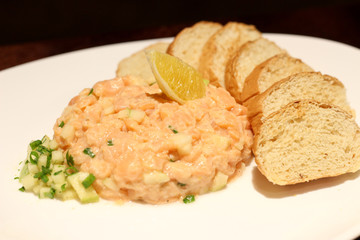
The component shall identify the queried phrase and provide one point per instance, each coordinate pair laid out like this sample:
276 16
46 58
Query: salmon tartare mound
143 147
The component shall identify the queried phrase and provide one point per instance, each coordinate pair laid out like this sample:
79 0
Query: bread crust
255 105
235 75
251 84
298 107
220 48
187 35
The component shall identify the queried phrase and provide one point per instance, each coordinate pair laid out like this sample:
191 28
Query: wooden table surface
339 23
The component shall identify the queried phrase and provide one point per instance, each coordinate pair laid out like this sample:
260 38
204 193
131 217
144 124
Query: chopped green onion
69 159
44 178
62 124
34 157
206 81
88 151
35 144
16 178
48 160
152 83
43 174
172 129
22 189
63 187
88 180
181 184
171 160
50 194
70 170
110 143
91 91
189 199
45 170
43 150
57 173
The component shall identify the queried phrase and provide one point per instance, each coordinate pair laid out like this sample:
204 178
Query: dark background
31 30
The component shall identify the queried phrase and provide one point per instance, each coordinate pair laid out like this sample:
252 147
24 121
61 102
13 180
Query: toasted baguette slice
221 46
138 66
312 85
307 140
244 61
188 44
271 71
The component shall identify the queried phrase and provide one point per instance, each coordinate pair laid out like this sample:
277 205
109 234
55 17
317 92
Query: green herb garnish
62 124
110 143
43 150
43 174
34 157
181 184
171 160
172 129
88 180
57 173
91 91
152 83
189 199
88 151
50 194
63 187
35 144
16 178
22 189
69 159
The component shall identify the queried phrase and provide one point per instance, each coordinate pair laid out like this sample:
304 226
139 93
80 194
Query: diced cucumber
24 171
60 187
53 144
68 132
42 161
125 113
45 141
57 157
47 192
58 174
137 115
33 168
68 195
182 142
29 182
109 183
219 182
86 195
37 188
156 177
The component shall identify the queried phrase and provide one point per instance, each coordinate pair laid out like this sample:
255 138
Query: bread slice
307 85
221 46
138 66
307 140
244 61
271 71
188 44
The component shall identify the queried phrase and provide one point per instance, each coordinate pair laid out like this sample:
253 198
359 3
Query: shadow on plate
270 190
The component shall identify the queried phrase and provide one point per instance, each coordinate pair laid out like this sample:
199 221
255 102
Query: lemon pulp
178 80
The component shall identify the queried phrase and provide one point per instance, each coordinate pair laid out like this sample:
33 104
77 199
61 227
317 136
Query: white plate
33 95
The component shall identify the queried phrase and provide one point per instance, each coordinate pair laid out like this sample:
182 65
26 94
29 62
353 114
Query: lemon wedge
178 80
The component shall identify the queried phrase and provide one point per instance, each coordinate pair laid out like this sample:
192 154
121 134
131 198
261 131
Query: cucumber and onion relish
49 172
